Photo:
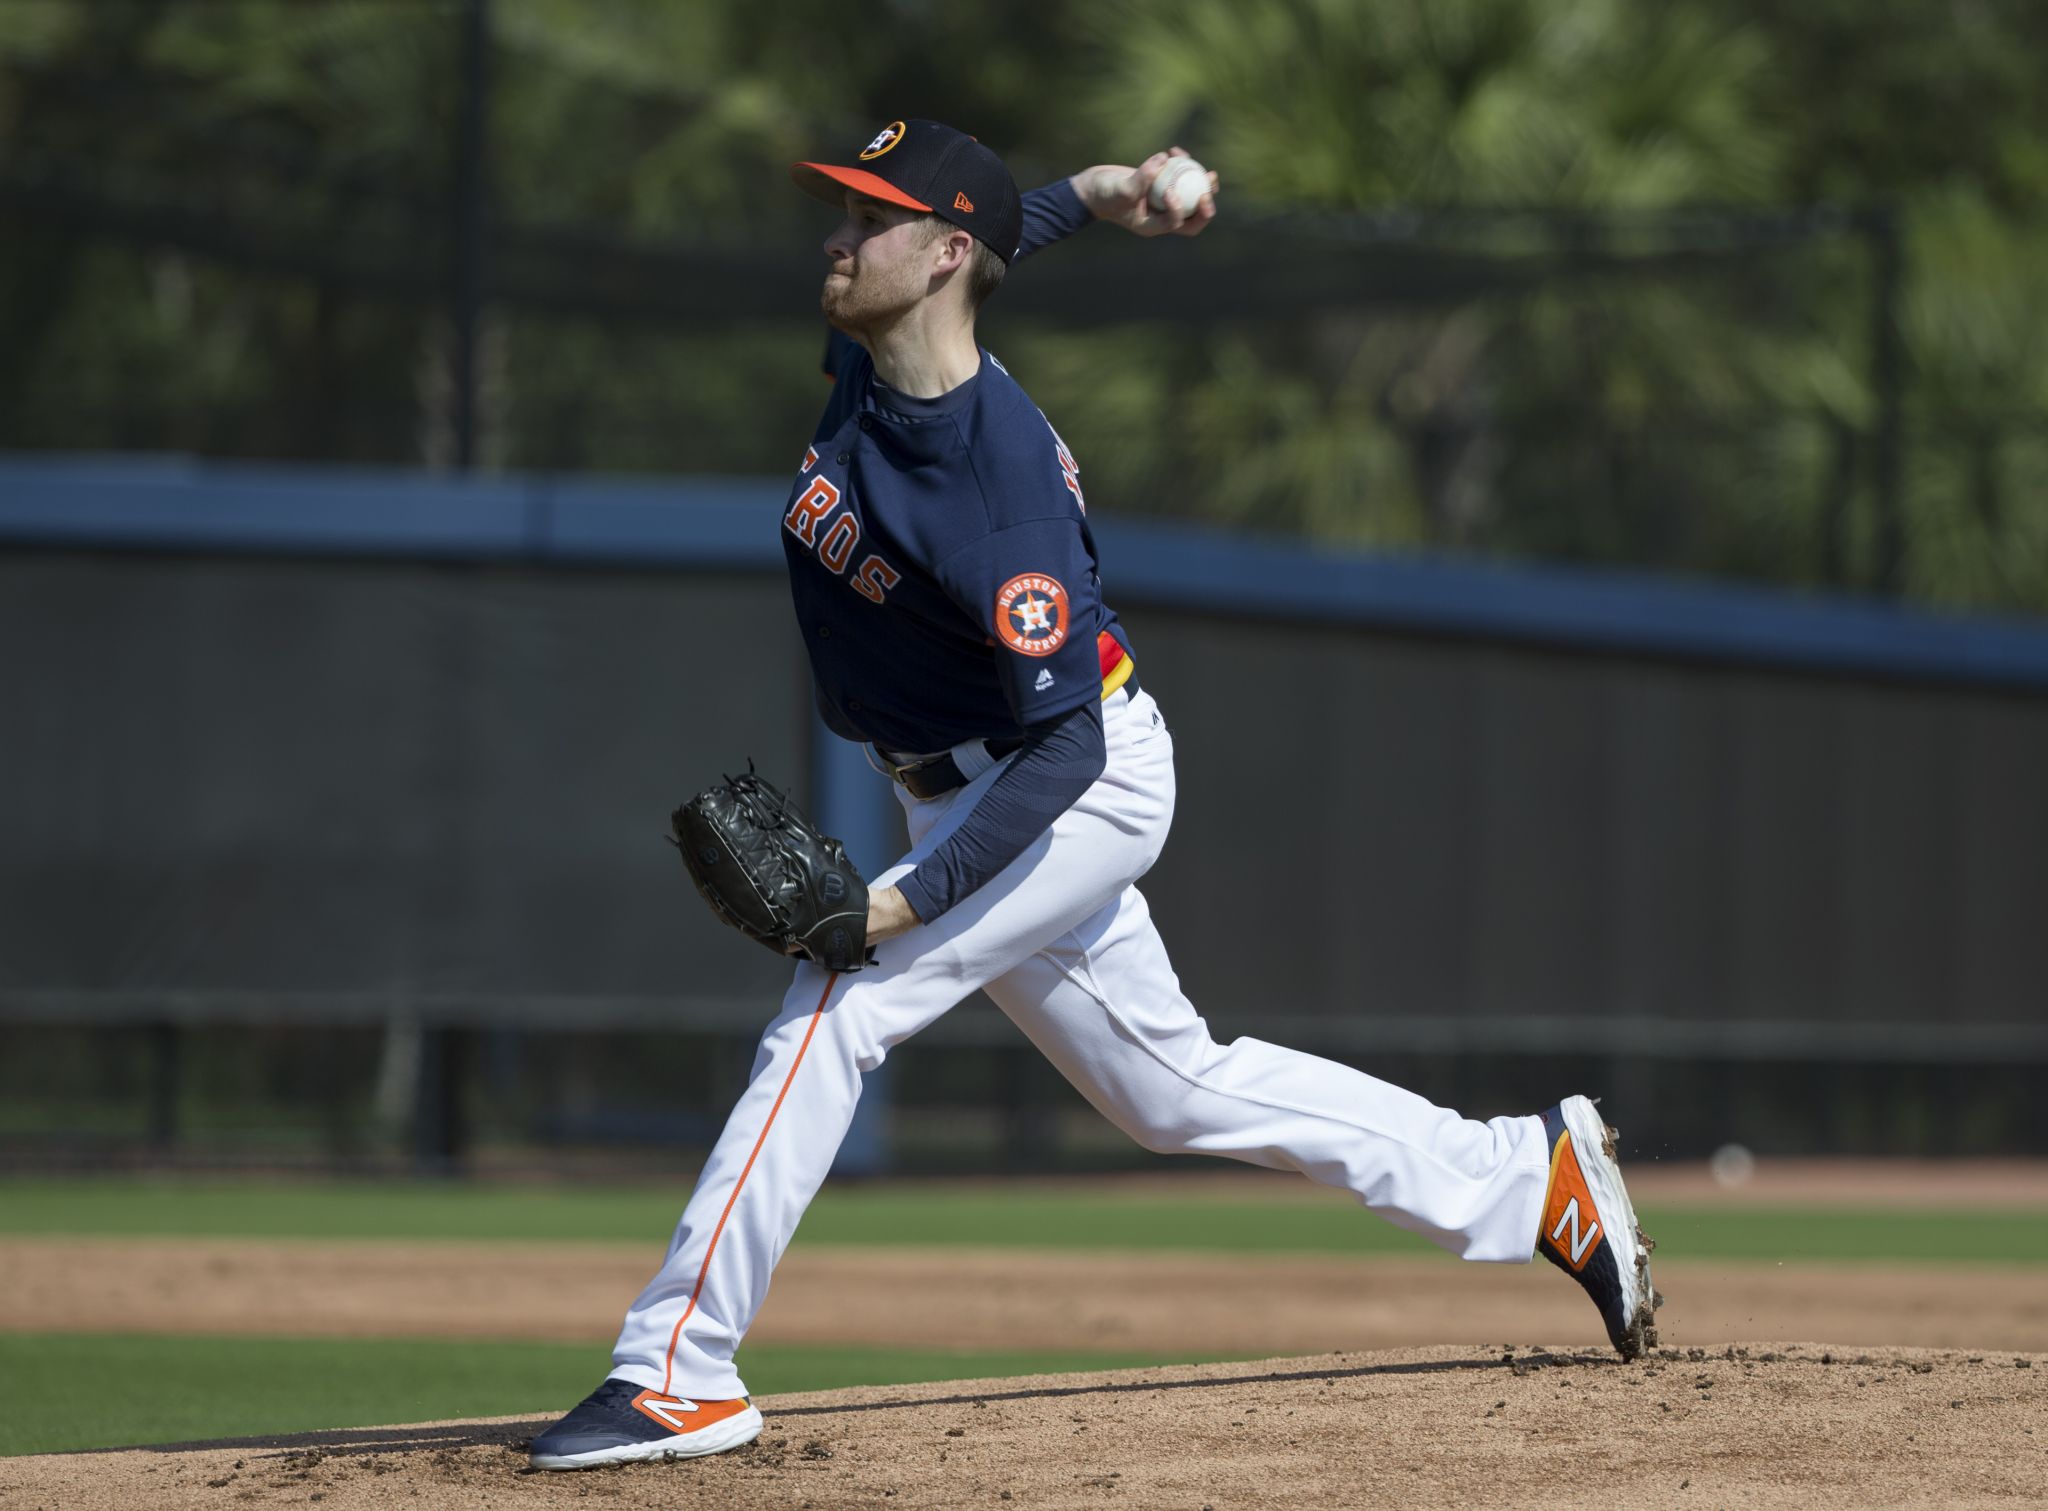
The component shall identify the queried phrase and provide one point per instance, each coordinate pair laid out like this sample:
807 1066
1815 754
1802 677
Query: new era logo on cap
923 165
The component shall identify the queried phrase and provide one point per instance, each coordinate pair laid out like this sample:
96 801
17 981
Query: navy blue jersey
940 561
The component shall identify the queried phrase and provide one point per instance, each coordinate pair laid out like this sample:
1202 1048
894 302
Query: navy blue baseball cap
923 165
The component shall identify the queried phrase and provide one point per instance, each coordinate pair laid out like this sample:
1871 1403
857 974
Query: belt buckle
903 774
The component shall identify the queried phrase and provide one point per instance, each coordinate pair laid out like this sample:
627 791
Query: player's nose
839 245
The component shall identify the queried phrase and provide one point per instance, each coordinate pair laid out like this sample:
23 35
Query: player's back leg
1103 1004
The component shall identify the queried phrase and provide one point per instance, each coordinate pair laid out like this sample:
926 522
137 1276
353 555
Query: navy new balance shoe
1589 1228
621 1422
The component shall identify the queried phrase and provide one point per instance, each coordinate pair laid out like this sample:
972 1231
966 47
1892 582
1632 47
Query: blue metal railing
176 504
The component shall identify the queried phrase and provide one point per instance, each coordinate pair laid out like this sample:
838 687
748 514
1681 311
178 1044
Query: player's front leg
673 1391
776 1148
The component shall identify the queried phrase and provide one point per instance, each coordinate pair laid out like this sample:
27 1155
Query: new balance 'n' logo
1580 1241
667 1410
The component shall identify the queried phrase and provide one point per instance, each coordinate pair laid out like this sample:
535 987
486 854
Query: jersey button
867 422
824 632
845 457
853 708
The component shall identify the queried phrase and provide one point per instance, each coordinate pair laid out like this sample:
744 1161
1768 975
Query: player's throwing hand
1123 196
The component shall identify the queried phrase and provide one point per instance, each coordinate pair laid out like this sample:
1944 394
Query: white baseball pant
1064 944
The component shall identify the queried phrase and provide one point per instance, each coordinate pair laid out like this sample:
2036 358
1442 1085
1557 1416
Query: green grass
102 1390
61 1391
1018 1216
1791 1234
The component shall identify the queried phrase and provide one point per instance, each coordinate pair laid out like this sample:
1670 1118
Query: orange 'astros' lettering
811 506
839 541
806 518
874 578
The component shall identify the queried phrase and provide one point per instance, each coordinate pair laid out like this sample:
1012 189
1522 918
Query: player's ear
956 250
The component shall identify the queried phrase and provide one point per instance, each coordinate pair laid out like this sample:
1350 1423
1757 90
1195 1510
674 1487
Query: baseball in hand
1180 186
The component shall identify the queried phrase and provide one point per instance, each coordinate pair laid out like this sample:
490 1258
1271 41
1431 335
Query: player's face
881 265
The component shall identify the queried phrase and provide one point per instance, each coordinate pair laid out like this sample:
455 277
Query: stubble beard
836 301
859 302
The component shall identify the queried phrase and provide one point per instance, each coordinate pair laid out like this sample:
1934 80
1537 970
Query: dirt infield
982 1298
1761 1425
1935 1392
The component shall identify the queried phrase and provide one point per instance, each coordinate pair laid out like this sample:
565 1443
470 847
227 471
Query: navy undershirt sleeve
1059 761
1050 214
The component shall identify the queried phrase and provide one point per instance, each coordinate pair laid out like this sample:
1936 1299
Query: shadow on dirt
347 1441
350 1442
1520 1363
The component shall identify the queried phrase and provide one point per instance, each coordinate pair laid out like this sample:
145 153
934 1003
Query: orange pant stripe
669 1366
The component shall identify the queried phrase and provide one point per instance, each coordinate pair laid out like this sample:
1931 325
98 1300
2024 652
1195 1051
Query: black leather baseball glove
766 870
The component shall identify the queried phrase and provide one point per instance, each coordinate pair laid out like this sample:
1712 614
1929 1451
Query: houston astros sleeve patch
1031 614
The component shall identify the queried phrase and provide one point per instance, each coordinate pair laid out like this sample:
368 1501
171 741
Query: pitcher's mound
1793 1424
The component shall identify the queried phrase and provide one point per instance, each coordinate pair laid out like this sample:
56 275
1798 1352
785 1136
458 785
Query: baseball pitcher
945 581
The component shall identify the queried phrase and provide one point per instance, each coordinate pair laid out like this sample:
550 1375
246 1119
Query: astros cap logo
1031 614
886 138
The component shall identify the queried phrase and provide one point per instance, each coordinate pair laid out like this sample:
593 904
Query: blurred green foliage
1722 423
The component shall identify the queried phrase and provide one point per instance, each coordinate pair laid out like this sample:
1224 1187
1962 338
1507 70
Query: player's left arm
1031 588
1060 760
1114 192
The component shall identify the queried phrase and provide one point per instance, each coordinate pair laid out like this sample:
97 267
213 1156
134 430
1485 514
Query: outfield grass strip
63 1391
1015 1217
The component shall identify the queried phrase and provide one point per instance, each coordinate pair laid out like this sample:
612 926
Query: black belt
925 780
941 774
